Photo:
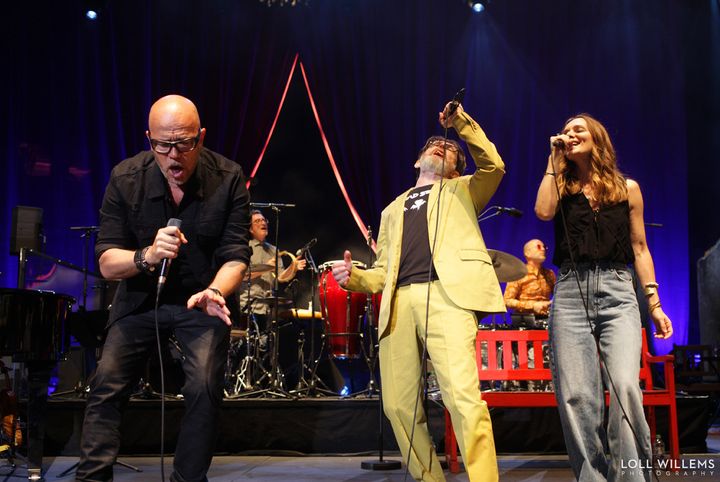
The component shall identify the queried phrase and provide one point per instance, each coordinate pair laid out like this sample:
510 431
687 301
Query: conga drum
343 312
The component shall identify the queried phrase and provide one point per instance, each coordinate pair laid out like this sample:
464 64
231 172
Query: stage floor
514 468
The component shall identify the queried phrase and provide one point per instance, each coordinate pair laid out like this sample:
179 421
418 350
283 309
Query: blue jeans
580 381
204 342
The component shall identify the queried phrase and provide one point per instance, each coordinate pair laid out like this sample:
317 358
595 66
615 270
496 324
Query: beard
434 164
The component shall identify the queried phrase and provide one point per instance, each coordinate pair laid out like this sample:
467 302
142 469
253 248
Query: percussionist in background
259 282
529 297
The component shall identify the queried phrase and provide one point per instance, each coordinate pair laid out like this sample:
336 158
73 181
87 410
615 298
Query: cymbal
507 267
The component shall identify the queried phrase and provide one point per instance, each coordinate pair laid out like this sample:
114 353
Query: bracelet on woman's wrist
216 291
548 173
650 289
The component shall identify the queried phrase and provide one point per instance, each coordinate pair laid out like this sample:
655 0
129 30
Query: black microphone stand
380 463
275 380
315 387
81 389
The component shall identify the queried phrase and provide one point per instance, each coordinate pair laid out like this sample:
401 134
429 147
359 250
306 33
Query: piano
34 331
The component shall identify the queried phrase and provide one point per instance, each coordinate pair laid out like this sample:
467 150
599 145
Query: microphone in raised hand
559 143
457 100
165 264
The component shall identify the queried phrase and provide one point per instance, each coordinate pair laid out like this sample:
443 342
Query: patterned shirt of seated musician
529 297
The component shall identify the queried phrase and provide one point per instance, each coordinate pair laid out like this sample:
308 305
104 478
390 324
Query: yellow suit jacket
461 259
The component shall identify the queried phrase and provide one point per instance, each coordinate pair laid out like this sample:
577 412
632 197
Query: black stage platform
333 426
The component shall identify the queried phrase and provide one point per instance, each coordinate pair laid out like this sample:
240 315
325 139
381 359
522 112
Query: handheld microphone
457 100
309 245
514 212
165 265
559 143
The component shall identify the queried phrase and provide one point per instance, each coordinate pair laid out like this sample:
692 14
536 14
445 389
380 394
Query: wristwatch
141 263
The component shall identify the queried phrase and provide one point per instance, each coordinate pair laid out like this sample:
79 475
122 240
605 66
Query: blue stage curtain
76 96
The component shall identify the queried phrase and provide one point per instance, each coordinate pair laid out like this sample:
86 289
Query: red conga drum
343 312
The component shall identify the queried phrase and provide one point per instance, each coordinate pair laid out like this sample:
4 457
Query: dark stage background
76 95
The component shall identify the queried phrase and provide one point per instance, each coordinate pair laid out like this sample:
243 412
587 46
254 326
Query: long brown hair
607 182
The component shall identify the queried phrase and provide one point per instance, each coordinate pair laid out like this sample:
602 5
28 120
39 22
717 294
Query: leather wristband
141 263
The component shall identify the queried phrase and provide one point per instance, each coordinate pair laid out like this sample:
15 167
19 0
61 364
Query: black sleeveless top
595 236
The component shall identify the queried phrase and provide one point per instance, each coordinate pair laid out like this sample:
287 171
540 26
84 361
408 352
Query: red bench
516 343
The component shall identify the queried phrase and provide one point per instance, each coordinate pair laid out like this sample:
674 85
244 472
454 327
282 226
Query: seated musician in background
178 178
259 284
529 297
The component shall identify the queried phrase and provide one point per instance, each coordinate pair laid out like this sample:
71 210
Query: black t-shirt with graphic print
415 252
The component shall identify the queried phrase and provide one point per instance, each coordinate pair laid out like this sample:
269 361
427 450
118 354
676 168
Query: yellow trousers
451 345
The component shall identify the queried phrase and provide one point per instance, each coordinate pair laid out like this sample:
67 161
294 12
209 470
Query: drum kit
347 331
345 322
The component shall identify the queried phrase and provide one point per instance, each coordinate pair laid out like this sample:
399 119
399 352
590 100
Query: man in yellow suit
435 274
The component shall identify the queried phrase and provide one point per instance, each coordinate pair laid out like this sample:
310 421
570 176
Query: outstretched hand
211 303
342 269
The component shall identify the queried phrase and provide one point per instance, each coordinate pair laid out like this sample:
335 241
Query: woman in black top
594 306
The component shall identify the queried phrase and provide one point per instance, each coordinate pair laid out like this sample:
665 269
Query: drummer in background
529 297
261 282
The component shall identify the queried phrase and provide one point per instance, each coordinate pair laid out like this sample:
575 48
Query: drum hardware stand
145 389
314 387
244 385
369 354
244 375
380 463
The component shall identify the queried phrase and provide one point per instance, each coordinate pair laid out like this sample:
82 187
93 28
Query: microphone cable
586 302
162 385
422 387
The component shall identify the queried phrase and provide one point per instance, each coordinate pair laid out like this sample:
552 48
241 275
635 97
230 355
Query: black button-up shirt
215 221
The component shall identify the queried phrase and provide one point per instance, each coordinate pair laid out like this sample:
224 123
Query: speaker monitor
26 229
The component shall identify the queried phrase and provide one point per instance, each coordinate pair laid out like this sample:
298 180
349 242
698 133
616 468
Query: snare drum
343 312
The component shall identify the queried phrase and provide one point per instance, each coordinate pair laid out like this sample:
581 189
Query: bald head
173 110
534 251
174 124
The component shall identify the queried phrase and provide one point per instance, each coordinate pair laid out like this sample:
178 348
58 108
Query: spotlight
93 9
478 6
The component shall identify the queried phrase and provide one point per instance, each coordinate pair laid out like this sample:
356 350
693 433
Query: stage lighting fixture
478 6
92 9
